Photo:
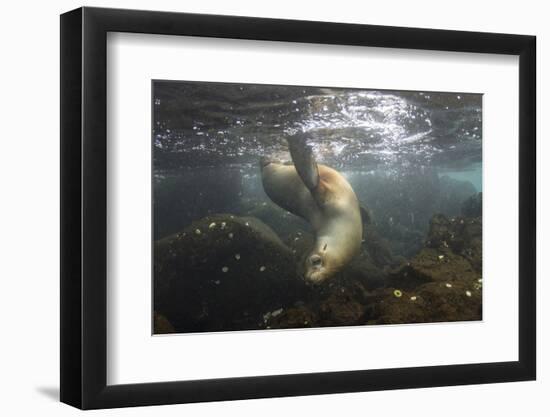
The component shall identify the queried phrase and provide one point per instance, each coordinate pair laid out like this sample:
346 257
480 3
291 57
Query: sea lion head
315 269
319 265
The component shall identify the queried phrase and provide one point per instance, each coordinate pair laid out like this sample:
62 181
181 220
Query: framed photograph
256 208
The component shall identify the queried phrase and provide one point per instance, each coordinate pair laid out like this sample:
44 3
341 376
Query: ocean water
409 156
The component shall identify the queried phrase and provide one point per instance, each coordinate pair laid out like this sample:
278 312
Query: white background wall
29 296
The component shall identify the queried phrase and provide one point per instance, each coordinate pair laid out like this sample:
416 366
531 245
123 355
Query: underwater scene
285 207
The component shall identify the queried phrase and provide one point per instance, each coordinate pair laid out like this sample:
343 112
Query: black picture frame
84 207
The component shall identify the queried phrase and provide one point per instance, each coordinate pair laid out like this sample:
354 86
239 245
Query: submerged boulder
460 235
441 283
452 252
428 303
223 272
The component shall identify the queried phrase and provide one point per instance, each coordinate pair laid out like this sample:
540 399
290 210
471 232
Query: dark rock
377 247
294 318
444 279
333 307
431 265
463 236
341 309
428 303
200 285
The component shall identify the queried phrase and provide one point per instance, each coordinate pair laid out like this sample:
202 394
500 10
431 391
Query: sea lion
324 198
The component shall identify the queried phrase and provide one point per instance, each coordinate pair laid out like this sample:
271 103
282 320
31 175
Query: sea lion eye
315 260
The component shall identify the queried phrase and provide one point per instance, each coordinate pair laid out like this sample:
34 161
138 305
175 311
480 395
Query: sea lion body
329 204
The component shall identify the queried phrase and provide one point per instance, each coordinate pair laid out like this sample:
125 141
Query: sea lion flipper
304 161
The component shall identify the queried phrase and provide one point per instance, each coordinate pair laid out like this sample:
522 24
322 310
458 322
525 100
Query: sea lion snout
315 270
